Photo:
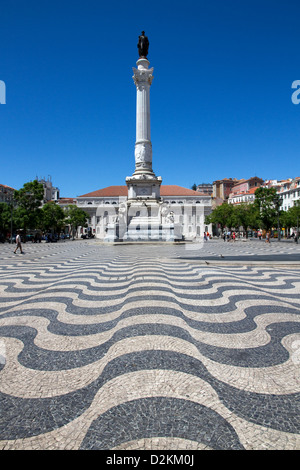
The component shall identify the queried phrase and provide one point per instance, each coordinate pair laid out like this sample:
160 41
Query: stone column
143 184
143 148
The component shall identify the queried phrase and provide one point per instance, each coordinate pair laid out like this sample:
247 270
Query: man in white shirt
18 242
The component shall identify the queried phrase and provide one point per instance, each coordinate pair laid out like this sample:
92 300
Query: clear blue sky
220 99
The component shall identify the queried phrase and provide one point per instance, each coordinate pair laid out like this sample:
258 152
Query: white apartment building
289 192
242 197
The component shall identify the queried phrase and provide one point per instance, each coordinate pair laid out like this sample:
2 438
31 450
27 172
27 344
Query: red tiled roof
110 191
251 191
8 187
173 190
66 200
240 182
165 190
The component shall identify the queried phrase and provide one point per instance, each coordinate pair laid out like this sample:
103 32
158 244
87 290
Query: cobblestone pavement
149 347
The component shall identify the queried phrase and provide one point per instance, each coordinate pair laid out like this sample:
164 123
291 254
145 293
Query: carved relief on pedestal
143 152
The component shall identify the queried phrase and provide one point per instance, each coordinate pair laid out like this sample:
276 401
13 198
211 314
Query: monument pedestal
144 222
143 188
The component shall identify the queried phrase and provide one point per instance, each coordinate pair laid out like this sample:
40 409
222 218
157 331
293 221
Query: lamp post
277 203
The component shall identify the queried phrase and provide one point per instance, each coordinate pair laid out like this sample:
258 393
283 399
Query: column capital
142 75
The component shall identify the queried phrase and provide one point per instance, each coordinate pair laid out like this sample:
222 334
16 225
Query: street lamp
277 203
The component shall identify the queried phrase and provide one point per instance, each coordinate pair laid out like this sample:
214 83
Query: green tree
291 217
28 200
222 215
194 187
5 218
246 216
52 217
267 203
242 212
76 217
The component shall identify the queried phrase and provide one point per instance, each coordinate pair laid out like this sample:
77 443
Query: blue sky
220 99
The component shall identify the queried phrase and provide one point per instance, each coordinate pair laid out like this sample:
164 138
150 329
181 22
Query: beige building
222 188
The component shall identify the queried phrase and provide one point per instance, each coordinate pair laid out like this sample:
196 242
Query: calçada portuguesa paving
150 346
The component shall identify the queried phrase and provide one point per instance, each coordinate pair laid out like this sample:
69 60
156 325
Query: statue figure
143 45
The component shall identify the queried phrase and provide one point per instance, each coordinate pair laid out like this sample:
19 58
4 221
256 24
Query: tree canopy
27 211
267 203
263 213
52 217
75 217
28 200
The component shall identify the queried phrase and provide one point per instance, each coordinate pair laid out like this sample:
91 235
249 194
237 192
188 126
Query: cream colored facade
181 209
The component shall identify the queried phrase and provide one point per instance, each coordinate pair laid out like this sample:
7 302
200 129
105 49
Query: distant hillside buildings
289 191
240 191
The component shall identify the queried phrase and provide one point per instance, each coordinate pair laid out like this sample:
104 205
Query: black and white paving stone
149 347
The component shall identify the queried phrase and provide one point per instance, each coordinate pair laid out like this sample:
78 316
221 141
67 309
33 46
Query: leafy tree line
264 213
25 212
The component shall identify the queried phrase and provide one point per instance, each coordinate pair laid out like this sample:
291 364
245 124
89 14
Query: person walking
268 237
259 234
18 242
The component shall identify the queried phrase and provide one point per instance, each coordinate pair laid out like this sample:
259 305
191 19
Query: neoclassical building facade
182 211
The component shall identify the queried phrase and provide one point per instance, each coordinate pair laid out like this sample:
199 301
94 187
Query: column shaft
143 132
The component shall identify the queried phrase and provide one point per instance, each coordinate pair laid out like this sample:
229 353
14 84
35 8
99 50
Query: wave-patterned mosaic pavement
130 347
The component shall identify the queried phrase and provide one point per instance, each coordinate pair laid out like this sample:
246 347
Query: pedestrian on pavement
18 242
268 237
205 237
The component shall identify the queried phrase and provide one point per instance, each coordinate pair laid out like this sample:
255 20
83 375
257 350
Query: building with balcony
289 192
245 185
205 188
242 197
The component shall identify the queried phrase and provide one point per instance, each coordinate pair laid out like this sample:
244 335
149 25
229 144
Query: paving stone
150 346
